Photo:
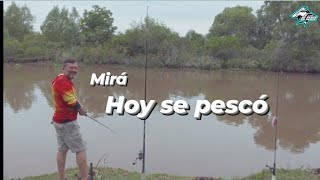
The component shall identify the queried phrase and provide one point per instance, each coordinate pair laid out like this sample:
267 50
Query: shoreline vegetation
267 40
121 174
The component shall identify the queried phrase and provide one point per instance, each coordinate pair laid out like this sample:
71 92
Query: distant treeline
238 38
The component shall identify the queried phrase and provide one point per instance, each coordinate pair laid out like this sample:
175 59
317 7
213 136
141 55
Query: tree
158 36
52 27
224 47
265 26
5 33
290 44
97 25
275 18
72 31
196 41
236 21
18 21
134 41
62 26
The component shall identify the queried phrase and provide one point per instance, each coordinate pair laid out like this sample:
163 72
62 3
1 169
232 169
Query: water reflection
19 85
299 95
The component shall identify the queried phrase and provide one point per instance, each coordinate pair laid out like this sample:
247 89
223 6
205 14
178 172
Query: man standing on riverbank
66 109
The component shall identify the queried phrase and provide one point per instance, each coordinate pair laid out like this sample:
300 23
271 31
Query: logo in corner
303 16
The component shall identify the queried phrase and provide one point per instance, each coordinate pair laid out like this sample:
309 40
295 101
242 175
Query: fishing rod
141 154
145 96
275 123
101 124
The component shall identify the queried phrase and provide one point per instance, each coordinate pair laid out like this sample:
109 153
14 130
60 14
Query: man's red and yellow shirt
64 99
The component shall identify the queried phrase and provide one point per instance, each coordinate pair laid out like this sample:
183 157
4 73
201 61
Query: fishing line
275 122
101 124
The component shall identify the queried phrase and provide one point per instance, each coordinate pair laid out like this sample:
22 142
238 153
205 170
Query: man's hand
82 112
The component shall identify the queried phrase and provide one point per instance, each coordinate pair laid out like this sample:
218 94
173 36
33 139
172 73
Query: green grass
120 174
108 174
283 174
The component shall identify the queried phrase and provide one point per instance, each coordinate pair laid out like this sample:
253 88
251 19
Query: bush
240 63
225 47
208 62
92 55
34 52
12 50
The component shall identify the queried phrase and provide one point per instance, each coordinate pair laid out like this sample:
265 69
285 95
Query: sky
180 16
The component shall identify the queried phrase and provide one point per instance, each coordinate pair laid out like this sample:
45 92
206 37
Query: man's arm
70 101
82 112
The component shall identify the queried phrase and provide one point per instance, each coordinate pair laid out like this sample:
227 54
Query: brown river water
219 146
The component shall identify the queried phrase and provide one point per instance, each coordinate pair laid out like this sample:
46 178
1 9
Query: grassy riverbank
119 174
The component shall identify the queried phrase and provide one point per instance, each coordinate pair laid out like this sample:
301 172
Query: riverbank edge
55 64
119 174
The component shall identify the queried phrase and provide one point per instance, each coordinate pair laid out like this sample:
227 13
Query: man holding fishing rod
66 109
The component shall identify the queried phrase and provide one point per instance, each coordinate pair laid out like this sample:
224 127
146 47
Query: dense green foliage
96 25
238 38
18 21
